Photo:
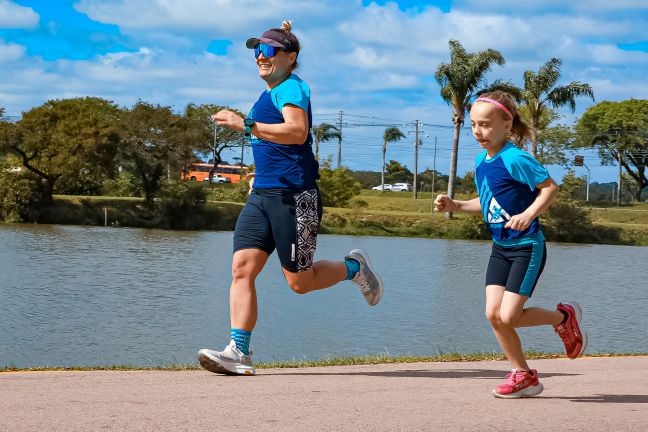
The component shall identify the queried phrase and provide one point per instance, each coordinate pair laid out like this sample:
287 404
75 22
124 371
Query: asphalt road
590 394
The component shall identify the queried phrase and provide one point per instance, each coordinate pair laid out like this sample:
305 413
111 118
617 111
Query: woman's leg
499 306
295 221
246 266
323 274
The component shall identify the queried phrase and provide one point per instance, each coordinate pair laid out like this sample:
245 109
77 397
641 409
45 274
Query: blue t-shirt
506 184
279 165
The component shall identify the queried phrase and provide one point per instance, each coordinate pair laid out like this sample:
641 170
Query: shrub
21 198
121 186
182 205
337 187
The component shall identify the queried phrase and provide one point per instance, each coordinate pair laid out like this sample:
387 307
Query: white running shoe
371 285
230 361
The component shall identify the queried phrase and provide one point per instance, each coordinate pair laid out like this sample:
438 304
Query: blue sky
374 60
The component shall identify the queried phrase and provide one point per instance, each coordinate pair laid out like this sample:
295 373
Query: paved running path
591 394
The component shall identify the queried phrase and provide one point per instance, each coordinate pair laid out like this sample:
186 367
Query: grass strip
371 359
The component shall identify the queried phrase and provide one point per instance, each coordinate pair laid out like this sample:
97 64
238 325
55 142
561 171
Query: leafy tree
204 139
391 134
614 127
323 133
540 90
337 187
430 177
71 139
468 183
461 80
367 179
397 173
571 185
2 111
151 141
629 186
552 141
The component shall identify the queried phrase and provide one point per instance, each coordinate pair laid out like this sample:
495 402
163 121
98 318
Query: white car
379 187
218 179
402 187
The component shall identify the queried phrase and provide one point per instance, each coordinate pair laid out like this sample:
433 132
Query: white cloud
373 61
14 16
581 6
218 18
10 52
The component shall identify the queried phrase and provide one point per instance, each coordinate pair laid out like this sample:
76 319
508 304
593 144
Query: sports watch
248 122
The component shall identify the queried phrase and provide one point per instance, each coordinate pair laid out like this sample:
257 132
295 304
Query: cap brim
252 42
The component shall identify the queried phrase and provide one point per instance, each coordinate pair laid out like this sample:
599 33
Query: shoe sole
367 259
526 392
579 318
212 365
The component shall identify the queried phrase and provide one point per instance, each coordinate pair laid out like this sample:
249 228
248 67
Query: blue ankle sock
242 339
353 267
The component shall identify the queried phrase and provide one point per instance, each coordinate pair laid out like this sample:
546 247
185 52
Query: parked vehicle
379 187
217 178
402 187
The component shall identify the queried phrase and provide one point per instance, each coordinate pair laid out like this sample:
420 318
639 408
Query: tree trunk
382 174
534 143
453 160
535 122
316 148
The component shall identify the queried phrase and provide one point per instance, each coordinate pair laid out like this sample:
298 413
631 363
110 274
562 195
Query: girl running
284 209
514 189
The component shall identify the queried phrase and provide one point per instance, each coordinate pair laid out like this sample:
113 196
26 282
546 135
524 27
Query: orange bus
200 172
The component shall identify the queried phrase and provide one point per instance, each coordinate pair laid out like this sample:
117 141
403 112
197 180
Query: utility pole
620 176
434 167
416 147
340 124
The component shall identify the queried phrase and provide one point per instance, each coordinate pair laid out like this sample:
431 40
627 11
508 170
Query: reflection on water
101 296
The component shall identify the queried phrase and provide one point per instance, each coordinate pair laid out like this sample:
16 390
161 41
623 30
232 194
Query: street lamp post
580 161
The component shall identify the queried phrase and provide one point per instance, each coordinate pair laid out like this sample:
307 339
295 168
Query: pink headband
497 104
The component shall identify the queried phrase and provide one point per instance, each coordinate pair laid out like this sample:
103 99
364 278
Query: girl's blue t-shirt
279 165
506 184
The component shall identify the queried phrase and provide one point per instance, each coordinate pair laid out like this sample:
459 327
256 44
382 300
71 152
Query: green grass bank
371 213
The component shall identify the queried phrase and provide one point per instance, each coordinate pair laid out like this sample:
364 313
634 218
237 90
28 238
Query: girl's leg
535 316
497 310
246 266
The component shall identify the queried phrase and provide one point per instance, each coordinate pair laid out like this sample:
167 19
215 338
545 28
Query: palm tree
539 91
324 132
391 134
461 80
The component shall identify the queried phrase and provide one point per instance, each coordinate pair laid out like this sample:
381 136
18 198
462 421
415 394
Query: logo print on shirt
496 214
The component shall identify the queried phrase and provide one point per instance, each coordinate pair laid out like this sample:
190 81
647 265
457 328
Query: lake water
101 296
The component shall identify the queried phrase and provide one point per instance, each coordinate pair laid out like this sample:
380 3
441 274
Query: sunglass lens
265 49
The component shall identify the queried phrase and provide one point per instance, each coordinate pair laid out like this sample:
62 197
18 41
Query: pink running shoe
519 384
573 337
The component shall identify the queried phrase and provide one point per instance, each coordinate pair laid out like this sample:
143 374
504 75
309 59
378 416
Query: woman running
284 209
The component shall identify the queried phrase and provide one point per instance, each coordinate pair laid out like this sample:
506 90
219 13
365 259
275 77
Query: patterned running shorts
282 219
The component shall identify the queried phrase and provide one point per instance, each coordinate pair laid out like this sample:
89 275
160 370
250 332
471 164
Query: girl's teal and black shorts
517 268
